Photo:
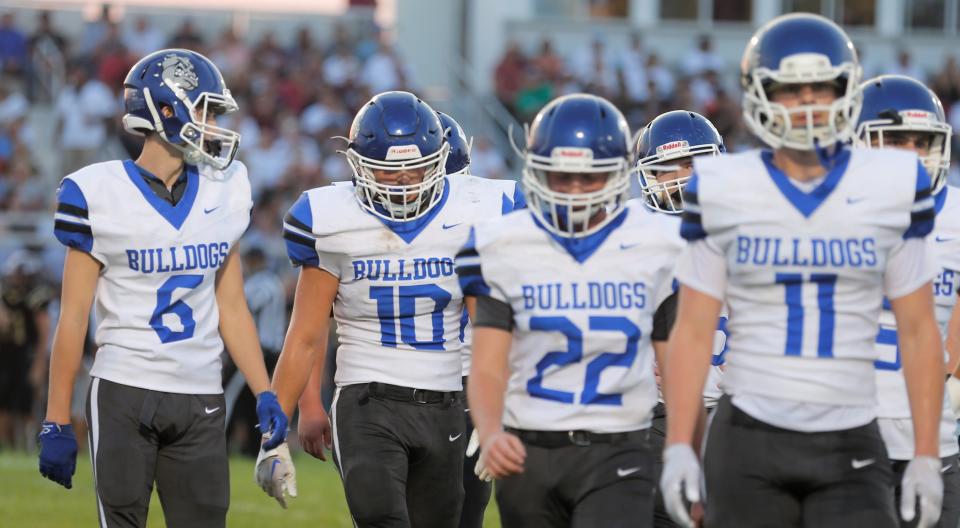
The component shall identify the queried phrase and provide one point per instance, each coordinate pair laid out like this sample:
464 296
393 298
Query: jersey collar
408 231
807 203
176 215
583 248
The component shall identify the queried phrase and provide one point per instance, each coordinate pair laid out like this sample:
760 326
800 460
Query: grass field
29 500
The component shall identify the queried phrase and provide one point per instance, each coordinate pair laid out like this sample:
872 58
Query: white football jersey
893 407
399 308
806 271
158 321
581 357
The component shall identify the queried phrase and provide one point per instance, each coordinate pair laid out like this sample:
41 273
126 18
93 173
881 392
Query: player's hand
502 454
479 469
922 481
314 431
58 453
275 473
273 422
680 480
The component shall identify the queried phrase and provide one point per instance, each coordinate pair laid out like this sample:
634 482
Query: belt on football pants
407 394
577 438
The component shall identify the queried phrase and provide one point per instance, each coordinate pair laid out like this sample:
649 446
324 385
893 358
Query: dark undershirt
172 195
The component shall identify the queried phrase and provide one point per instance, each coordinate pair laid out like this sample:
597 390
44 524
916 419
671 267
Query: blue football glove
58 453
272 419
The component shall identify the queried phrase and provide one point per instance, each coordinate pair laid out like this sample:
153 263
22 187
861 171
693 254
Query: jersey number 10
397 305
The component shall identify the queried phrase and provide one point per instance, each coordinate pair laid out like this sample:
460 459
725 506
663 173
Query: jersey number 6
179 308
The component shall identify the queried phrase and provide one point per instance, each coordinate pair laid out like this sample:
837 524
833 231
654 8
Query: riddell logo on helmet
673 145
571 152
917 115
403 152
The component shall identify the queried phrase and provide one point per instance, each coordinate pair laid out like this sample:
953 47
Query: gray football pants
140 436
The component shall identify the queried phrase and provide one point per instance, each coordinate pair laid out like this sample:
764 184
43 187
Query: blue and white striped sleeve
691 224
298 234
468 269
72 220
923 212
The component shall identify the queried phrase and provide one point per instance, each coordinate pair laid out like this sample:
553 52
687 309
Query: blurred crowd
294 97
643 86
61 103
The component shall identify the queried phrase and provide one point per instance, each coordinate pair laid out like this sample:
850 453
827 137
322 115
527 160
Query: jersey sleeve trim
468 268
923 212
72 220
519 199
298 234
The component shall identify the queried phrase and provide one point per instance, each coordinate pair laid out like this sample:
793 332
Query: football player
665 152
153 242
802 242
476 490
562 385
900 112
380 252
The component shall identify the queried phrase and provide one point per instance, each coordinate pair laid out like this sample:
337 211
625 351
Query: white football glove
922 480
680 479
479 469
275 473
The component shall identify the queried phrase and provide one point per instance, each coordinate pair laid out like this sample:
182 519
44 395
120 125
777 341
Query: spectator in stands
384 71
24 334
142 38
46 35
662 78
509 75
325 117
905 66
633 73
13 46
548 63
946 83
93 32
702 58
232 55
486 161
28 193
268 160
187 37
113 60
84 108
340 70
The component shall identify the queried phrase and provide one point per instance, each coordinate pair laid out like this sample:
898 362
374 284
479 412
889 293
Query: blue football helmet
577 133
458 160
896 103
397 131
672 137
800 48
173 93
